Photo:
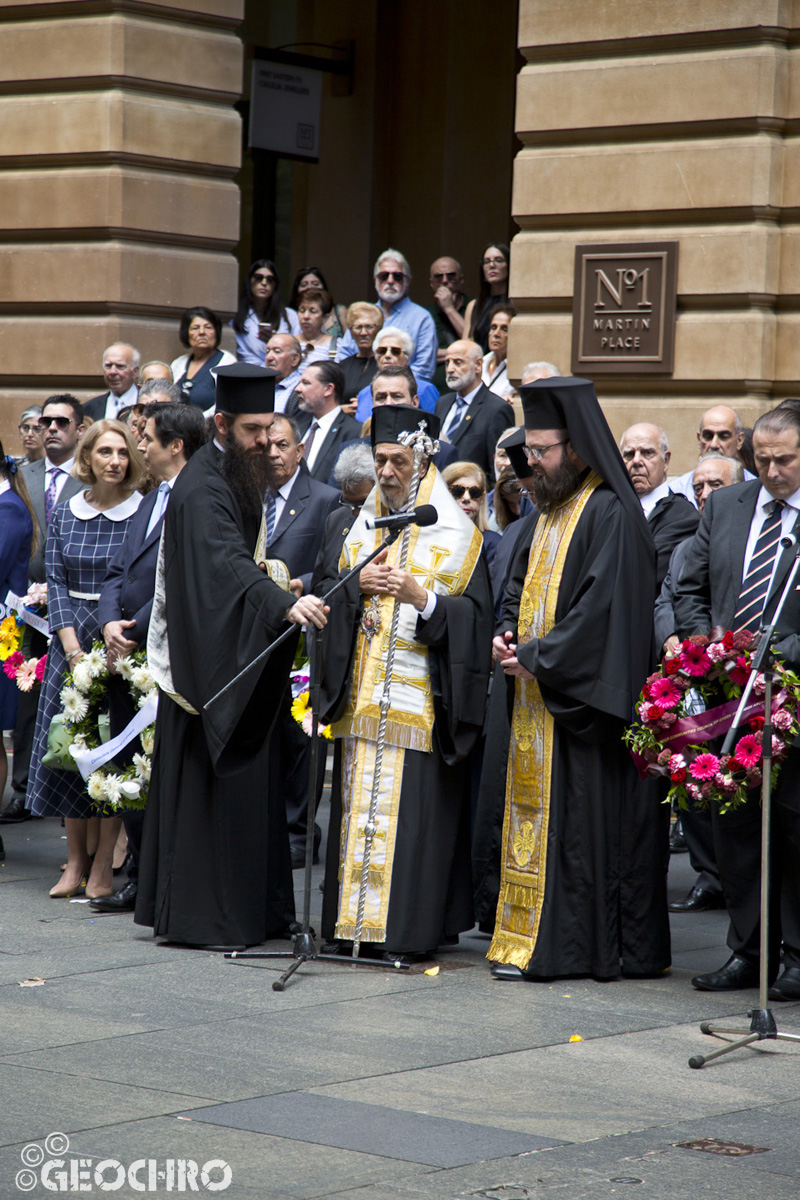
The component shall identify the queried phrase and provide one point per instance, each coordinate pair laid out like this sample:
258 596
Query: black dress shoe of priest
509 973
122 901
787 987
697 900
737 973
15 812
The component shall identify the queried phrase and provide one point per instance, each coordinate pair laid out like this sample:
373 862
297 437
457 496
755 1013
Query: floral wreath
83 698
679 711
26 672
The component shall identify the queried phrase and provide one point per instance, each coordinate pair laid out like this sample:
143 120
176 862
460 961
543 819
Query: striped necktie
759 573
457 416
269 514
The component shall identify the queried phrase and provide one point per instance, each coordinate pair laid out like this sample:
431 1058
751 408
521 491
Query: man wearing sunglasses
49 484
392 276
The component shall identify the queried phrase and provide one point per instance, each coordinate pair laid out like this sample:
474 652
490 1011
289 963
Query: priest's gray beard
246 473
550 491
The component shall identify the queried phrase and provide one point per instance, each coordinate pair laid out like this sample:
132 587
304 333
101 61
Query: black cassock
215 867
604 908
431 891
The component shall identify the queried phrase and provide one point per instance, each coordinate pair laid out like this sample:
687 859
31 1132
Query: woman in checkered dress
82 538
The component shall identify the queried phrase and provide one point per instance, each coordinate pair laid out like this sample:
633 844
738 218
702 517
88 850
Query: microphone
426 514
789 541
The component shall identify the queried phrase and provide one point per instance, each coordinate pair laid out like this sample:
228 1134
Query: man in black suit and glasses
734 577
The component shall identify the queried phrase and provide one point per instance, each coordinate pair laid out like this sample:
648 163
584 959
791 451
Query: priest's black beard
550 491
246 475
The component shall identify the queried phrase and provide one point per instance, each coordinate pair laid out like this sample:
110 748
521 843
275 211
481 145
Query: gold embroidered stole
442 559
530 757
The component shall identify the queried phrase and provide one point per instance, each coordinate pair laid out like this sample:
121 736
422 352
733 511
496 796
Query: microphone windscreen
426 514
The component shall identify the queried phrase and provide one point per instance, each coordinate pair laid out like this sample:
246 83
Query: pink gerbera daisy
705 766
11 664
40 668
664 693
748 750
694 660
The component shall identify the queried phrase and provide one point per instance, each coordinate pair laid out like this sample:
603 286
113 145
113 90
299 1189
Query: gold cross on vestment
433 573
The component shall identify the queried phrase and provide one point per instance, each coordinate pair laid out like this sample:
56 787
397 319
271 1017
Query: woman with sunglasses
260 313
493 290
467 483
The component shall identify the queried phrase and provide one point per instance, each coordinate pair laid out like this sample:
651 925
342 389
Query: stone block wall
644 122
119 145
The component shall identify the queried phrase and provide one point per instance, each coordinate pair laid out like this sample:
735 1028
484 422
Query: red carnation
653 712
756 723
678 776
671 666
727 640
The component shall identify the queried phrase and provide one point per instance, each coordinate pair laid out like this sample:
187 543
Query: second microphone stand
762 1022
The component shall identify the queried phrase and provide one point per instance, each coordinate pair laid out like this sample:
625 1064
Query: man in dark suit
295 511
471 416
322 424
120 370
645 452
734 577
49 484
172 433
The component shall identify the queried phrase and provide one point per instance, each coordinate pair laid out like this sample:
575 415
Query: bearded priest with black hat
419 891
215 870
584 843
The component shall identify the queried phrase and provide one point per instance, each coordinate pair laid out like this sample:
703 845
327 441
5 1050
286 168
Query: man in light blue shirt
392 276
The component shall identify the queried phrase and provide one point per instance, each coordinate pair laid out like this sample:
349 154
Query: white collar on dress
83 510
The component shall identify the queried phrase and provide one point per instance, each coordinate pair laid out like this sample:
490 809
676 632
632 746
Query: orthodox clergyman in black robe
215 867
419 890
584 852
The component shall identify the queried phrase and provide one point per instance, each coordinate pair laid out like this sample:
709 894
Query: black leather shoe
787 987
15 812
508 972
122 901
737 973
697 900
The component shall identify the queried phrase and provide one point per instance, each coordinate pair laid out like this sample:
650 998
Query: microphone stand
304 948
762 1022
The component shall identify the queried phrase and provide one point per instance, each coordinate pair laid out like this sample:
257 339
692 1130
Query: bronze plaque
623 308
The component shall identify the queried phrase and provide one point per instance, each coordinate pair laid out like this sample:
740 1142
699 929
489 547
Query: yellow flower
10 637
299 707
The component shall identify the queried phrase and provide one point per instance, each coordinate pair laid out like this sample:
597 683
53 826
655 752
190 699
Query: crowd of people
476 673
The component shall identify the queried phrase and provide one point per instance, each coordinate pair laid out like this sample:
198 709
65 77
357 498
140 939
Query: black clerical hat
389 420
243 388
514 446
571 403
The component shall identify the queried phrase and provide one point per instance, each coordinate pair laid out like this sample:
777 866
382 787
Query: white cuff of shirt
427 611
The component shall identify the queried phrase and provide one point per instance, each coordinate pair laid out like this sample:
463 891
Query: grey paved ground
369 1085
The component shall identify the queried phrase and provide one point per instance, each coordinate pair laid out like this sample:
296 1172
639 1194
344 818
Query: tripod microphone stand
762 1022
304 948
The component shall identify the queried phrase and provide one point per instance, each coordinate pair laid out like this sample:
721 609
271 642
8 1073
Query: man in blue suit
172 433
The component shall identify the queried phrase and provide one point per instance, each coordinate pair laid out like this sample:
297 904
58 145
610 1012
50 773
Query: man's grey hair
737 470
137 358
405 339
159 387
540 370
354 466
663 440
397 256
